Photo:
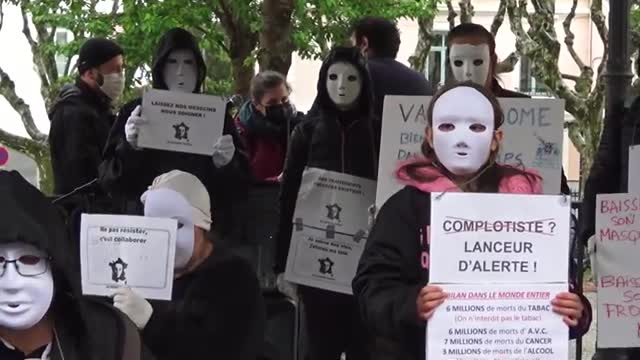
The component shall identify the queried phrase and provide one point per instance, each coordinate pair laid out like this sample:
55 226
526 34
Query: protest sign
533 134
634 169
133 251
189 123
330 229
499 238
617 236
498 322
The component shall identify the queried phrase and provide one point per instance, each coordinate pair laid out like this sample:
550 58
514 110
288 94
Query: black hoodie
341 141
126 173
86 329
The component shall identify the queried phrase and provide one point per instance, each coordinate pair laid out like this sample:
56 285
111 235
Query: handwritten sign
533 138
133 251
181 122
498 322
330 229
499 238
617 241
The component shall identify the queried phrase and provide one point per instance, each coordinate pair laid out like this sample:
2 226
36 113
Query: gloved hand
223 151
287 288
137 308
132 127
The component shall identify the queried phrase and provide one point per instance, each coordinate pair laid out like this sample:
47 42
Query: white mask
166 203
180 72
463 128
113 85
24 300
470 62
344 84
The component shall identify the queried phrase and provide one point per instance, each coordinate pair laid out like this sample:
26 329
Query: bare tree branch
1 14
15 142
115 7
571 77
508 64
419 58
570 37
466 11
451 18
8 90
499 18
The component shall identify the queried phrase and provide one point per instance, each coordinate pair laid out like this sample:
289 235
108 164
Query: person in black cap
81 115
127 169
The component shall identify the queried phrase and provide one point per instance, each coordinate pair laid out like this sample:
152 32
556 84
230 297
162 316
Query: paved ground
588 341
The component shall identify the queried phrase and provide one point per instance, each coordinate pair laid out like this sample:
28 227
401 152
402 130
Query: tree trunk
276 43
419 58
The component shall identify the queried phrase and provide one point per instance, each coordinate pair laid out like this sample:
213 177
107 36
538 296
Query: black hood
352 56
27 216
174 39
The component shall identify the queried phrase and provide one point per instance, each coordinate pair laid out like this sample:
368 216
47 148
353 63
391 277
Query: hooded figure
127 170
343 137
36 268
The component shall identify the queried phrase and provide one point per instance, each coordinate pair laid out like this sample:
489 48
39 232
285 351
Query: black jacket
126 172
346 142
390 77
391 274
86 329
500 92
80 121
216 312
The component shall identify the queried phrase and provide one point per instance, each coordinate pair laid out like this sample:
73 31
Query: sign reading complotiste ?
499 238
533 134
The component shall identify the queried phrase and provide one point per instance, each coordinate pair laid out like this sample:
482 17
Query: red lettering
607 281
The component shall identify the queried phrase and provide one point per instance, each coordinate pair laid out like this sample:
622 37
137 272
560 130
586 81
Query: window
436 67
61 38
528 83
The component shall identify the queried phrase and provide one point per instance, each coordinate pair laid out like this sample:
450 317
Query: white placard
617 249
488 322
330 229
634 169
499 238
533 137
133 251
189 123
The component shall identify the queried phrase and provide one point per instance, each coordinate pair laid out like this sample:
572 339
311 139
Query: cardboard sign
189 123
133 251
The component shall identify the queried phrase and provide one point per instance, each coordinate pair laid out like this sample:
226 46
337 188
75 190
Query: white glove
287 288
223 151
137 308
132 127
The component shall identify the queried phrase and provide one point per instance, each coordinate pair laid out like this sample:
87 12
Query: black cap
97 51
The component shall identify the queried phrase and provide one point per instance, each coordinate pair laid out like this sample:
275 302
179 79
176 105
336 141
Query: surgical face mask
166 203
180 72
463 128
470 62
112 85
344 84
26 287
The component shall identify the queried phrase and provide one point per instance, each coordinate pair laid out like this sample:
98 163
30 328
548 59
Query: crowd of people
217 309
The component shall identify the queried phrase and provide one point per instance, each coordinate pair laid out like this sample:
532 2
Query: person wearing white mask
462 141
216 310
343 137
127 169
42 313
81 115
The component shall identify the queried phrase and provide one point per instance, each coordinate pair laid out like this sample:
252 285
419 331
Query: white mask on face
180 71
113 85
470 62
166 203
24 300
344 84
463 128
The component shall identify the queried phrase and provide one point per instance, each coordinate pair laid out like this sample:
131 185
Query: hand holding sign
223 151
132 127
429 298
569 306
136 307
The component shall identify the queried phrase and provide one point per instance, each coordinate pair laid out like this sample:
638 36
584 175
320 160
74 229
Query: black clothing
176 39
95 52
80 121
389 77
216 312
86 329
341 141
126 172
500 92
